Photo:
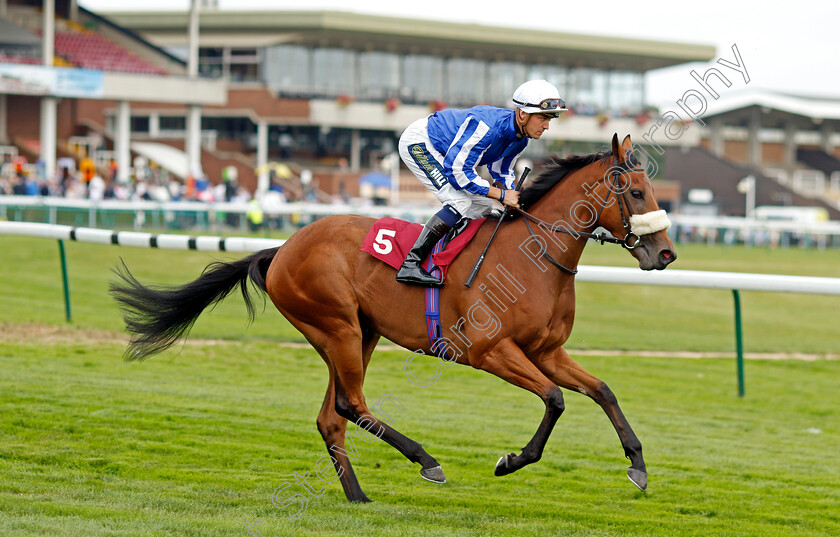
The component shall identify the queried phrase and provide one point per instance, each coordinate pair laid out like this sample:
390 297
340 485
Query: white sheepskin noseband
645 224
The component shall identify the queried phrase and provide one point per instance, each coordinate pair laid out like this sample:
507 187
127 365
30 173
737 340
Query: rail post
67 314
739 342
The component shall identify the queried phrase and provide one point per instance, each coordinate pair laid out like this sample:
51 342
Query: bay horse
343 300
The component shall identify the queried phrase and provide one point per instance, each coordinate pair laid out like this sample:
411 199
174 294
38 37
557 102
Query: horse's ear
617 150
626 143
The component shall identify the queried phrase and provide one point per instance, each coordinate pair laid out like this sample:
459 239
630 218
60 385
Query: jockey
444 150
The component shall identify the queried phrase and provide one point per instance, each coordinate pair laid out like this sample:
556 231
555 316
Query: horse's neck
556 208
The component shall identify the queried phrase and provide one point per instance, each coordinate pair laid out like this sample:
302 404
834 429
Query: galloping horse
343 300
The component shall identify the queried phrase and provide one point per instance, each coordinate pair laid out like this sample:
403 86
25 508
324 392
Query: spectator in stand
230 176
19 185
76 190
5 177
64 181
141 191
96 188
31 186
40 171
176 189
109 192
255 216
121 191
203 192
272 202
87 169
47 189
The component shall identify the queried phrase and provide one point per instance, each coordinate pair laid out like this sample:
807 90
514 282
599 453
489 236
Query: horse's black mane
553 173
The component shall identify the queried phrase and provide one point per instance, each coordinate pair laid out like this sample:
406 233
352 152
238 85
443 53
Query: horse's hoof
638 477
435 475
503 466
361 499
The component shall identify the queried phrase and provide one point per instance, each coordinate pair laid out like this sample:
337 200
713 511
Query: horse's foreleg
507 362
560 368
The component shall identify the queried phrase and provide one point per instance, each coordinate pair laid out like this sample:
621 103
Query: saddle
390 239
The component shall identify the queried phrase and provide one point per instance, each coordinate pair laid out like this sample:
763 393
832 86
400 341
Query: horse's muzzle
654 252
666 257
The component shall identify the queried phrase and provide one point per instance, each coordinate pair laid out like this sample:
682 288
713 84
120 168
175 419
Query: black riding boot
411 271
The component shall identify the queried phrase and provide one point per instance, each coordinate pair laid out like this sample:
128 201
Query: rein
600 237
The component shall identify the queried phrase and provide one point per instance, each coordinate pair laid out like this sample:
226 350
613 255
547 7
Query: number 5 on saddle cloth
390 239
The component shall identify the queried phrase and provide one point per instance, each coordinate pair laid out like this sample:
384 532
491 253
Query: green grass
674 318
195 443
608 316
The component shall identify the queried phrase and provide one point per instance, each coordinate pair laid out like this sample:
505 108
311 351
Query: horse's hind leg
340 348
560 368
332 428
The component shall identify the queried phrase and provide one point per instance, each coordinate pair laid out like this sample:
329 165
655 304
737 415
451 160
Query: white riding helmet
538 97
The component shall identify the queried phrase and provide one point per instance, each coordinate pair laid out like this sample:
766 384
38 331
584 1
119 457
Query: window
236 64
211 62
626 92
505 77
588 90
207 52
466 81
423 78
553 74
173 123
333 71
286 68
238 53
247 72
244 64
379 75
140 124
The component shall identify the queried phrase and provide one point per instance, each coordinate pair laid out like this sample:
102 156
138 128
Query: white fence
11 207
586 273
615 275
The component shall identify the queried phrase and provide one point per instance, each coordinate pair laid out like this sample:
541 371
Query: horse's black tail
158 317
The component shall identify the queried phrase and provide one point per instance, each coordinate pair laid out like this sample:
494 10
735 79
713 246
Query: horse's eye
637 194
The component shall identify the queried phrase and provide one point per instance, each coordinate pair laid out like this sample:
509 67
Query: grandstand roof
696 167
776 108
407 36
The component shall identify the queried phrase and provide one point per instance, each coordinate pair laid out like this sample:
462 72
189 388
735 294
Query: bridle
617 170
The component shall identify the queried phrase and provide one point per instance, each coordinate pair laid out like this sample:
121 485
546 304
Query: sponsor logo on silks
428 164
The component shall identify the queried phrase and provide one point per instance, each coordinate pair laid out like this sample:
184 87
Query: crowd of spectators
147 182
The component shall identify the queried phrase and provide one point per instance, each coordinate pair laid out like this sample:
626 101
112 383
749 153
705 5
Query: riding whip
480 259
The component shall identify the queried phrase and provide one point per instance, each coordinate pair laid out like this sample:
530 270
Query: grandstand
55 63
89 50
330 92
792 140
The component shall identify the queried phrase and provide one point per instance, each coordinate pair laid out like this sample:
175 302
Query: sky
793 48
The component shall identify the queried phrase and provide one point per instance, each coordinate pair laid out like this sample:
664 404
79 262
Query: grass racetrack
196 441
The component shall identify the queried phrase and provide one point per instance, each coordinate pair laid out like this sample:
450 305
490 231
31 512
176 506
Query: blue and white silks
477 136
